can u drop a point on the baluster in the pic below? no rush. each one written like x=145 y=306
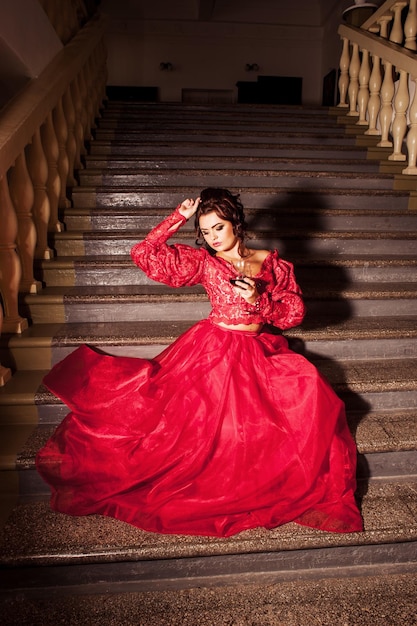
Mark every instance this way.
x=363 y=96
x=399 y=125
x=5 y=372
x=11 y=269
x=38 y=171
x=397 y=34
x=410 y=26
x=53 y=184
x=374 y=99
x=22 y=196
x=354 y=82
x=412 y=135
x=344 y=75
x=68 y=109
x=385 y=114
x=61 y=131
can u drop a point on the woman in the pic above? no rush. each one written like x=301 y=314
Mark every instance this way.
x=225 y=430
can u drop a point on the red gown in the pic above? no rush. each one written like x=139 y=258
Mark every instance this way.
x=221 y=432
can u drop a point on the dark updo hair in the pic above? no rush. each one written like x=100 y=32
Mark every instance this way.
x=228 y=207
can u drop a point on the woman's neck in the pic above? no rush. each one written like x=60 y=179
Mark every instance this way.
x=234 y=255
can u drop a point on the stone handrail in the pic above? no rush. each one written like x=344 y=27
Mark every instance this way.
x=43 y=132
x=378 y=73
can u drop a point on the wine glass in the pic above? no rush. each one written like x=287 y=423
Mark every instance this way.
x=243 y=268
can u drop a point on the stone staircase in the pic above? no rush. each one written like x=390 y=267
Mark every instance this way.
x=311 y=191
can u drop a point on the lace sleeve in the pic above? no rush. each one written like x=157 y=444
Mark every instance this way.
x=281 y=302
x=175 y=265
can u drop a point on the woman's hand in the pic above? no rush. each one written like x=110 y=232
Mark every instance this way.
x=246 y=288
x=189 y=207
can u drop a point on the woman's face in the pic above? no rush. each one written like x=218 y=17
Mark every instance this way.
x=218 y=233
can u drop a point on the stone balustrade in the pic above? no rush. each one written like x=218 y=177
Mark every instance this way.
x=378 y=73
x=43 y=135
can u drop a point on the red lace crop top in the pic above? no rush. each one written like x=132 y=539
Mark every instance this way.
x=280 y=302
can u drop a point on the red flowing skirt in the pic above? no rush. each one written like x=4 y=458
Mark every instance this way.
x=222 y=432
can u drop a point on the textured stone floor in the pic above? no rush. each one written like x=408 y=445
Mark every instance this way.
x=36 y=535
x=370 y=601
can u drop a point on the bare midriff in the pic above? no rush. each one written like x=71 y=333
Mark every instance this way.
x=251 y=328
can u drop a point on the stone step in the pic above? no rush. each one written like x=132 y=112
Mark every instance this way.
x=100 y=150
x=100 y=145
x=142 y=302
x=223 y=109
x=119 y=269
x=289 y=242
x=267 y=598
x=232 y=128
x=280 y=199
x=98 y=172
x=295 y=136
x=114 y=106
x=132 y=119
x=236 y=178
x=313 y=180
x=313 y=219
x=240 y=126
x=346 y=158
x=42 y=345
x=238 y=117
x=36 y=539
